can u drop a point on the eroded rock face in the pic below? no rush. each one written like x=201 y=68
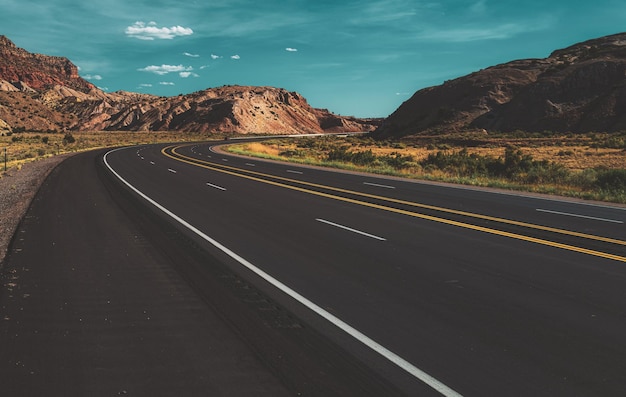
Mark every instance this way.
x=50 y=86
x=578 y=89
x=39 y=72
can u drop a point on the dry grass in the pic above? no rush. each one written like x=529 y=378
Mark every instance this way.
x=25 y=147
x=574 y=158
x=578 y=155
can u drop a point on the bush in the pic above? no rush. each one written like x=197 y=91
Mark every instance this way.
x=613 y=181
x=68 y=138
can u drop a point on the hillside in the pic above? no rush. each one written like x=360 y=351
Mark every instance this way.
x=578 y=89
x=44 y=93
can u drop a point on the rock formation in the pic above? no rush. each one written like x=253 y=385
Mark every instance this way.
x=581 y=88
x=39 y=92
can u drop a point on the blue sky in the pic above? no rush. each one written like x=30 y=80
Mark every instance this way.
x=361 y=58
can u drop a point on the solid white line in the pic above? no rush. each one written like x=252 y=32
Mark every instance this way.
x=350 y=229
x=215 y=186
x=295 y=172
x=377 y=185
x=358 y=335
x=171 y=170
x=579 y=216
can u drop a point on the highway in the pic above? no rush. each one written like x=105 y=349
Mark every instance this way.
x=431 y=289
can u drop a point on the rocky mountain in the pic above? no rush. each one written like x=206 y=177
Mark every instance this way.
x=40 y=92
x=581 y=88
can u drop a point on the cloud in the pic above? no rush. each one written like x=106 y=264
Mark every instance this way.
x=150 y=31
x=166 y=83
x=145 y=85
x=289 y=49
x=184 y=75
x=235 y=57
x=213 y=56
x=191 y=55
x=165 y=69
x=92 y=77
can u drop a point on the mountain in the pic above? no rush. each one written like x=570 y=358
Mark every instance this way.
x=578 y=89
x=46 y=93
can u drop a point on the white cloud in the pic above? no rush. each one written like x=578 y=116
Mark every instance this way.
x=291 y=49
x=166 y=83
x=191 y=55
x=184 y=75
x=235 y=57
x=145 y=85
x=165 y=69
x=213 y=56
x=92 y=77
x=150 y=31
x=204 y=67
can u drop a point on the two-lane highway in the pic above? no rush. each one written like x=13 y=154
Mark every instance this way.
x=437 y=289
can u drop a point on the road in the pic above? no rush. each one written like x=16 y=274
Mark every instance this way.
x=488 y=294
x=381 y=286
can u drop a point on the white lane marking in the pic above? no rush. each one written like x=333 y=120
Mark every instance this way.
x=358 y=335
x=215 y=186
x=251 y=165
x=224 y=159
x=579 y=216
x=171 y=170
x=378 y=185
x=295 y=172
x=351 y=230
x=152 y=162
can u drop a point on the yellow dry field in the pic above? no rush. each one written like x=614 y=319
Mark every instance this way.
x=24 y=147
x=574 y=158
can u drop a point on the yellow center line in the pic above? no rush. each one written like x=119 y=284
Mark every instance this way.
x=204 y=164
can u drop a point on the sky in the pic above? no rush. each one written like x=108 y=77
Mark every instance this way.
x=356 y=58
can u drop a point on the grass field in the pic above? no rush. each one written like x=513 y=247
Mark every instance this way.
x=24 y=147
x=590 y=166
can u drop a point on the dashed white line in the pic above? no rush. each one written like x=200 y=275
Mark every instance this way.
x=152 y=162
x=224 y=159
x=295 y=172
x=171 y=170
x=378 y=185
x=351 y=229
x=215 y=186
x=579 y=216
x=251 y=165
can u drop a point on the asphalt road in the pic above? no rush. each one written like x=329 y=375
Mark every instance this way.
x=350 y=284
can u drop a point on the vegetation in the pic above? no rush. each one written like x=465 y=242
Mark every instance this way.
x=22 y=147
x=588 y=166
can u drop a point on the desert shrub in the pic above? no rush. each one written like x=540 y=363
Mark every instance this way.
x=68 y=138
x=613 y=180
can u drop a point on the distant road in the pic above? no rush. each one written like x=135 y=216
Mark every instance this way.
x=438 y=290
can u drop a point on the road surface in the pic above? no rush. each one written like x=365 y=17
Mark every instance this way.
x=382 y=285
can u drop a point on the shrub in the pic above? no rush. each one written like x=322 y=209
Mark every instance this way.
x=68 y=138
x=611 y=180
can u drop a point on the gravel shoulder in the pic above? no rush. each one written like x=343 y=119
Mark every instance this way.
x=17 y=189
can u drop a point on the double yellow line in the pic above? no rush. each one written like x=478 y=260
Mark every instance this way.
x=261 y=177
